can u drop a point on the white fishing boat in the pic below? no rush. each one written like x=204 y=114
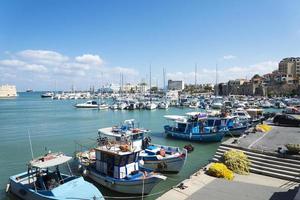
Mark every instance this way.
x=43 y=180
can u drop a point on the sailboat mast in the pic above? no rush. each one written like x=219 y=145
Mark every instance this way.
x=217 y=87
x=195 y=75
x=150 y=84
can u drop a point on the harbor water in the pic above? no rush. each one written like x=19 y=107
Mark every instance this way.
x=56 y=125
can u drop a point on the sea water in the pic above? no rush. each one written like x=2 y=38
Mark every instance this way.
x=57 y=125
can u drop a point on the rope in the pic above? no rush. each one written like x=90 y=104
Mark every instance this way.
x=143 y=188
x=135 y=197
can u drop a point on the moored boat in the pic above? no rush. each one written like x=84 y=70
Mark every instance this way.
x=88 y=104
x=43 y=180
x=116 y=167
x=156 y=157
x=196 y=128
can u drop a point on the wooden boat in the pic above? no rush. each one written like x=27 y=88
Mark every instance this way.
x=43 y=180
x=237 y=126
x=172 y=160
x=116 y=167
x=195 y=128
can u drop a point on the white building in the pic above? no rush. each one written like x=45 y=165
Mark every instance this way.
x=8 y=91
x=175 y=85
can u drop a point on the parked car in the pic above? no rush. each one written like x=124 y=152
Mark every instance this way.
x=286 y=120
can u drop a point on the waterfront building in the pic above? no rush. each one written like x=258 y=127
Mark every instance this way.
x=291 y=67
x=8 y=91
x=175 y=85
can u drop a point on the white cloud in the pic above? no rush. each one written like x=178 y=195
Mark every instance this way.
x=11 y=63
x=229 y=57
x=90 y=59
x=42 y=56
x=125 y=71
x=35 y=68
x=207 y=75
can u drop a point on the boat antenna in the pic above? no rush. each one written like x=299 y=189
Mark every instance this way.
x=30 y=143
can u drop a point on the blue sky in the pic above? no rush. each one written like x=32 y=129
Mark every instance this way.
x=90 y=42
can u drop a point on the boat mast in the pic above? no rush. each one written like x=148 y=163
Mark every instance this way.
x=217 y=87
x=164 y=82
x=150 y=85
x=195 y=75
x=30 y=144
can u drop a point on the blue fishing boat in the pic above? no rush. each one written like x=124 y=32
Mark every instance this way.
x=116 y=167
x=237 y=126
x=196 y=127
x=43 y=180
x=160 y=158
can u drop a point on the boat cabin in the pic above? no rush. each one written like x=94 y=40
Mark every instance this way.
x=116 y=163
x=124 y=133
x=44 y=174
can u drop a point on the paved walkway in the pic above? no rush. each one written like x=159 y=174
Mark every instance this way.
x=249 y=187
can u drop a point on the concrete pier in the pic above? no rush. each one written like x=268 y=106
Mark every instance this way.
x=273 y=175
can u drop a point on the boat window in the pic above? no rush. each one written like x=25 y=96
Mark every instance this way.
x=117 y=160
x=181 y=127
x=103 y=156
x=137 y=136
x=123 y=160
x=94 y=103
x=131 y=158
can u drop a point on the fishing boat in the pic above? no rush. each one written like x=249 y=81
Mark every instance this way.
x=196 y=128
x=160 y=158
x=237 y=126
x=43 y=180
x=116 y=167
x=88 y=104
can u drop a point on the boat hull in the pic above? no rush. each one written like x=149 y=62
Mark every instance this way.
x=172 y=165
x=128 y=186
x=236 y=131
x=212 y=137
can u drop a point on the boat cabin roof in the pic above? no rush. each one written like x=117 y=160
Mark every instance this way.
x=118 y=132
x=175 y=118
x=115 y=149
x=50 y=160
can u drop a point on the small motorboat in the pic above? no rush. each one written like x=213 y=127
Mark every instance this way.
x=163 y=158
x=150 y=105
x=163 y=105
x=103 y=106
x=43 y=180
x=47 y=95
x=88 y=104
